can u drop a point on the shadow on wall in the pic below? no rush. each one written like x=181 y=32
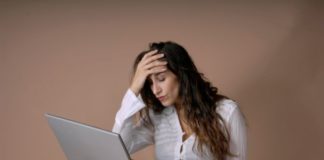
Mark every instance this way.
x=285 y=95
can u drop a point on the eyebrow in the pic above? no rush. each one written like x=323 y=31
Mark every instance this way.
x=156 y=75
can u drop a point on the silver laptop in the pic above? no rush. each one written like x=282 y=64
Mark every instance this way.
x=83 y=142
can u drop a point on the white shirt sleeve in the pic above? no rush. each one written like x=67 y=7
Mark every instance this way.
x=238 y=135
x=135 y=136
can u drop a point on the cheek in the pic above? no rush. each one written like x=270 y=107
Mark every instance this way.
x=174 y=89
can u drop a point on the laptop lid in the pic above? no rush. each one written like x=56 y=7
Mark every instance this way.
x=83 y=142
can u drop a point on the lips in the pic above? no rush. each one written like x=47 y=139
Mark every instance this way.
x=161 y=98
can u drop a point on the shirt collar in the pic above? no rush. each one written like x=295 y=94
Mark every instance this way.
x=168 y=110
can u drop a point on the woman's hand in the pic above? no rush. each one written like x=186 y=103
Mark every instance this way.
x=148 y=65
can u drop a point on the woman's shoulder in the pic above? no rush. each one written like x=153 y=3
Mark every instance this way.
x=225 y=108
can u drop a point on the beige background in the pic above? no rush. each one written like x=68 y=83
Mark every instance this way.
x=74 y=59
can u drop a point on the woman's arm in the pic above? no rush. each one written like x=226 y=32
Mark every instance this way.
x=135 y=136
x=238 y=135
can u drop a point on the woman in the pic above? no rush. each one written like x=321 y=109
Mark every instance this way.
x=181 y=112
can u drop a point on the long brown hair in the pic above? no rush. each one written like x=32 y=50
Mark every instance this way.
x=198 y=97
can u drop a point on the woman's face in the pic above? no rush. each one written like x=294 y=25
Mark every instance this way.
x=165 y=87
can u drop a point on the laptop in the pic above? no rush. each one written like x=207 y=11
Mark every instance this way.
x=83 y=142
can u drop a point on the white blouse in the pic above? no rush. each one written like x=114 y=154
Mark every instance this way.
x=167 y=134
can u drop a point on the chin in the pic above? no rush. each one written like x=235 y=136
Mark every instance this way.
x=166 y=104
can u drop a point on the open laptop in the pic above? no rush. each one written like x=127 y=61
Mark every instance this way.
x=83 y=142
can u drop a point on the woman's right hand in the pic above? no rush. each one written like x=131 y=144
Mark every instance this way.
x=148 y=65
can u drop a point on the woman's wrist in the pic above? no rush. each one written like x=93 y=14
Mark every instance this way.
x=134 y=90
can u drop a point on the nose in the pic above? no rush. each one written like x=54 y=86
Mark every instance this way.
x=156 y=89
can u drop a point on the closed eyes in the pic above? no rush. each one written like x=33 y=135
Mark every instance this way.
x=161 y=79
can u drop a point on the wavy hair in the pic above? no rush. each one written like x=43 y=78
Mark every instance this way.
x=197 y=95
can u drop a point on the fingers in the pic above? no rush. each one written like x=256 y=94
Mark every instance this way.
x=151 y=60
x=150 y=53
x=152 y=63
x=155 y=63
x=157 y=69
x=152 y=57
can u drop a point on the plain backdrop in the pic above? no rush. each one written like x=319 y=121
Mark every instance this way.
x=74 y=59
